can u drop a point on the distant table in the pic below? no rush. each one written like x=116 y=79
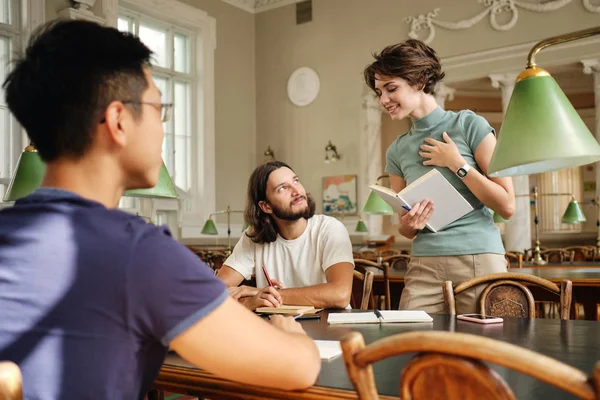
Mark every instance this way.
x=576 y=343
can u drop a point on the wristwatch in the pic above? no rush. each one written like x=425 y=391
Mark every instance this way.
x=463 y=171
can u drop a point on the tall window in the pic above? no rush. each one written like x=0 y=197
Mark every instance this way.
x=172 y=70
x=10 y=141
x=551 y=208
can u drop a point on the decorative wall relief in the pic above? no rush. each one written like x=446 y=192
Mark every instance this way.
x=493 y=8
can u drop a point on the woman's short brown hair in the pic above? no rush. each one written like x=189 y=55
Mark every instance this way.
x=412 y=60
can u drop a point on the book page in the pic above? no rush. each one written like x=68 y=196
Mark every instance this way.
x=390 y=316
x=328 y=349
x=352 y=318
x=389 y=196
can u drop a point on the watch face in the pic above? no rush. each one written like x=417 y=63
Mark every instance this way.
x=461 y=172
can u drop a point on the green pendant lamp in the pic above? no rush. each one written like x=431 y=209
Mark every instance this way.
x=209 y=228
x=541 y=130
x=573 y=214
x=163 y=189
x=28 y=175
x=361 y=226
x=245 y=226
x=375 y=204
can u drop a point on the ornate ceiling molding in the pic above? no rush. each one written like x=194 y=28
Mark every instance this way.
x=256 y=6
x=493 y=8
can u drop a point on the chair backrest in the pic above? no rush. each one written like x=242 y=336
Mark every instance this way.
x=582 y=253
x=399 y=261
x=450 y=365
x=10 y=381
x=506 y=295
x=515 y=260
x=557 y=255
x=368 y=254
x=389 y=253
x=361 y=264
x=362 y=290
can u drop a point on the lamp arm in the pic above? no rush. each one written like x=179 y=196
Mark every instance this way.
x=381 y=177
x=567 y=37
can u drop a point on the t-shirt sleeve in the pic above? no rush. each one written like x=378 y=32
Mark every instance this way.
x=476 y=128
x=169 y=287
x=242 y=257
x=392 y=160
x=336 y=245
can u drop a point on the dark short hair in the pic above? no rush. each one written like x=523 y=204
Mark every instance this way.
x=71 y=71
x=412 y=60
x=263 y=228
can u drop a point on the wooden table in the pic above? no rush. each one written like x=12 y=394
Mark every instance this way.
x=576 y=343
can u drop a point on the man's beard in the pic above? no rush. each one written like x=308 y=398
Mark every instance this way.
x=290 y=215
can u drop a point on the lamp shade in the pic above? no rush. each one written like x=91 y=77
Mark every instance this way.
x=163 y=189
x=573 y=214
x=209 y=228
x=361 y=226
x=27 y=176
x=376 y=205
x=541 y=130
x=245 y=226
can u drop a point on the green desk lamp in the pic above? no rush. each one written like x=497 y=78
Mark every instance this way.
x=541 y=130
x=28 y=175
x=361 y=226
x=210 y=228
x=375 y=204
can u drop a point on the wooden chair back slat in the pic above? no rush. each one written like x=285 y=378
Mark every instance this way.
x=506 y=296
x=450 y=365
x=361 y=264
x=11 y=381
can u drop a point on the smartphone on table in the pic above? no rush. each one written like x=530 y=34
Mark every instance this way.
x=480 y=318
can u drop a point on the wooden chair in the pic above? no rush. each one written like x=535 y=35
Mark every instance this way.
x=582 y=253
x=451 y=365
x=11 y=382
x=361 y=265
x=363 y=285
x=557 y=255
x=368 y=255
x=389 y=253
x=515 y=260
x=507 y=296
x=399 y=261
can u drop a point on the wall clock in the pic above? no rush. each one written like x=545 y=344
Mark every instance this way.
x=303 y=86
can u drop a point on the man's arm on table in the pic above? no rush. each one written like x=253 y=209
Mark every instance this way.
x=249 y=296
x=215 y=344
x=333 y=294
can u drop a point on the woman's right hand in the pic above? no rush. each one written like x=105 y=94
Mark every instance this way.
x=418 y=215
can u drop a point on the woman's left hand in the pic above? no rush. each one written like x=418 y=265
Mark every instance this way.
x=442 y=154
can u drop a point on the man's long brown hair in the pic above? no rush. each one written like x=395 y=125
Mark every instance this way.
x=263 y=228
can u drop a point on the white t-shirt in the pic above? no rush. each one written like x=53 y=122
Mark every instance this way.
x=296 y=263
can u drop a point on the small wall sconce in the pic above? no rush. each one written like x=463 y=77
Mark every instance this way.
x=269 y=154
x=331 y=154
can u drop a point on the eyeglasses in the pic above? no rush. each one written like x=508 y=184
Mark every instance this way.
x=166 y=109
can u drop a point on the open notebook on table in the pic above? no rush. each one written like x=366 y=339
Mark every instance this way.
x=288 y=310
x=448 y=204
x=328 y=349
x=379 y=317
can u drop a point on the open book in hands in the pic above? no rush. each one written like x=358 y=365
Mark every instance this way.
x=379 y=317
x=448 y=204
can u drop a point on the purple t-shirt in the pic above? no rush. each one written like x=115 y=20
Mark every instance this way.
x=90 y=298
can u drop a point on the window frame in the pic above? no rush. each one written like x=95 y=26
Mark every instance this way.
x=27 y=16
x=201 y=195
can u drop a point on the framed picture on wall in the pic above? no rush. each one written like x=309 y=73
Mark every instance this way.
x=339 y=195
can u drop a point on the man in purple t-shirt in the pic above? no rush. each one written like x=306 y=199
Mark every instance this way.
x=91 y=297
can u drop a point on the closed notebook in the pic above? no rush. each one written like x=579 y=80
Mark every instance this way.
x=328 y=349
x=387 y=317
x=288 y=310
x=448 y=204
